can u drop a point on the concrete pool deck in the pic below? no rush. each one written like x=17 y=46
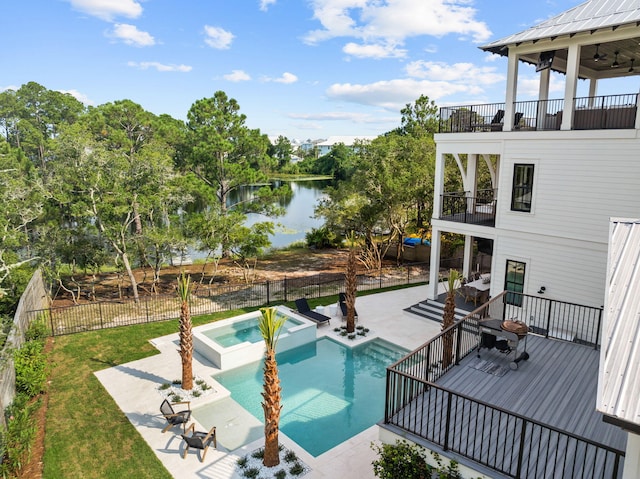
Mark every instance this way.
x=134 y=388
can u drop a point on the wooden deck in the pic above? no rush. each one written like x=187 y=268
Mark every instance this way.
x=555 y=386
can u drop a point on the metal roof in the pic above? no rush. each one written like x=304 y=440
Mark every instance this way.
x=619 y=376
x=586 y=17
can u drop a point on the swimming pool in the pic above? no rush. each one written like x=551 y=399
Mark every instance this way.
x=236 y=341
x=330 y=392
x=247 y=330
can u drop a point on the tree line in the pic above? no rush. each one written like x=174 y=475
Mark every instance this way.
x=84 y=187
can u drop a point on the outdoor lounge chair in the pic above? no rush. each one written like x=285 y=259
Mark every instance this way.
x=307 y=312
x=342 y=297
x=199 y=440
x=175 y=418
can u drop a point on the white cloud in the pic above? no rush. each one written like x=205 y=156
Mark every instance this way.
x=237 y=76
x=218 y=37
x=393 y=95
x=264 y=4
x=456 y=72
x=382 y=22
x=78 y=96
x=285 y=78
x=130 y=35
x=161 y=67
x=373 y=51
x=108 y=9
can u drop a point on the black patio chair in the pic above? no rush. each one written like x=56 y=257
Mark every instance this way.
x=175 y=418
x=303 y=308
x=342 y=301
x=199 y=440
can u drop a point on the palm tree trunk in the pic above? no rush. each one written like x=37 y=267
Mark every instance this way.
x=186 y=346
x=351 y=288
x=271 y=406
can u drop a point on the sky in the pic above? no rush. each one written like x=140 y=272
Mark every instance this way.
x=304 y=69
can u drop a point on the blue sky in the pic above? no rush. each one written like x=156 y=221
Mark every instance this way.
x=298 y=68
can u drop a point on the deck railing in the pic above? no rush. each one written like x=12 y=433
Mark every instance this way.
x=509 y=443
x=589 y=113
x=458 y=207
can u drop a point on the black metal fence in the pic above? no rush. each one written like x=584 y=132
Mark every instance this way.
x=507 y=442
x=208 y=299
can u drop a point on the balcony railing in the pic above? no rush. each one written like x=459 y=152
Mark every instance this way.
x=589 y=113
x=479 y=210
x=509 y=443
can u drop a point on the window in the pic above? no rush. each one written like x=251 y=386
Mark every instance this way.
x=522 y=188
x=514 y=282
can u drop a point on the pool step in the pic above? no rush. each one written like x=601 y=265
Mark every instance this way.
x=382 y=353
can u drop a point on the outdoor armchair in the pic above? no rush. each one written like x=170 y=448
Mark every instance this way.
x=198 y=440
x=175 y=418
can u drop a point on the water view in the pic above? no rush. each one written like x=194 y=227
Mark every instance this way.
x=297 y=220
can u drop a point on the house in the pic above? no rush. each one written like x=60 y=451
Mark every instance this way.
x=324 y=147
x=559 y=168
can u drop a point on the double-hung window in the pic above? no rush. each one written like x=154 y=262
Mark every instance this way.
x=522 y=187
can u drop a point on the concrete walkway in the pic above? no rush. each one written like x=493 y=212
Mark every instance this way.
x=134 y=387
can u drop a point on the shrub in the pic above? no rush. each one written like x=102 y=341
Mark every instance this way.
x=400 y=460
x=321 y=238
x=31 y=368
x=258 y=454
x=16 y=439
x=281 y=474
x=409 y=462
x=38 y=330
x=252 y=472
x=290 y=456
x=242 y=462
x=296 y=469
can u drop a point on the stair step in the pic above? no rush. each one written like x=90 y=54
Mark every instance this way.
x=433 y=310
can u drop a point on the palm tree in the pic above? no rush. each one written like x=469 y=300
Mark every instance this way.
x=186 y=332
x=270 y=325
x=351 y=285
x=448 y=318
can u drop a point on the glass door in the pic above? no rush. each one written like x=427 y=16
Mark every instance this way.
x=514 y=282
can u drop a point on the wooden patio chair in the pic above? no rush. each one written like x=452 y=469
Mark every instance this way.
x=175 y=418
x=199 y=440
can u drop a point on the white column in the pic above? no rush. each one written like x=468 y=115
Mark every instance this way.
x=434 y=267
x=511 y=93
x=570 y=86
x=467 y=265
x=543 y=96
x=438 y=183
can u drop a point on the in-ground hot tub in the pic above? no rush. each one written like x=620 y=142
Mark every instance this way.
x=233 y=342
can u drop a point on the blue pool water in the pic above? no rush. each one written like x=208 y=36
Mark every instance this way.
x=241 y=331
x=330 y=392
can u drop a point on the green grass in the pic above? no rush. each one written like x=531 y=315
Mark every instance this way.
x=87 y=435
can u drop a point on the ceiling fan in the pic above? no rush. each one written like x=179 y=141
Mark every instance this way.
x=597 y=57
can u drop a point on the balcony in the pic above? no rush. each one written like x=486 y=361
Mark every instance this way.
x=589 y=113
x=534 y=421
x=479 y=210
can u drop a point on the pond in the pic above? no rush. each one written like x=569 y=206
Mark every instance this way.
x=297 y=220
